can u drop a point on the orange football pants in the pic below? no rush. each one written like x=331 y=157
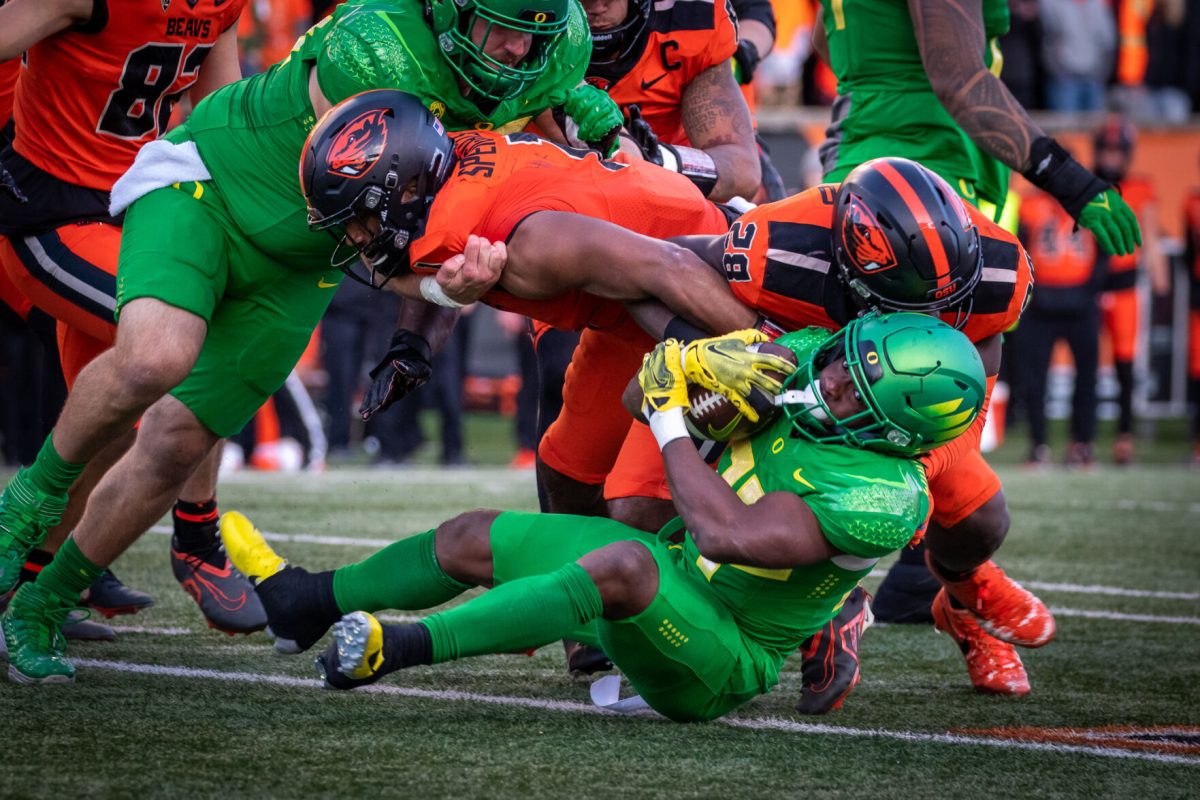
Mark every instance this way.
x=70 y=273
x=584 y=441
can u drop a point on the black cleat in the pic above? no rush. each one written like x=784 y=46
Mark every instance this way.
x=355 y=656
x=110 y=597
x=584 y=660
x=830 y=670
x=226 y=598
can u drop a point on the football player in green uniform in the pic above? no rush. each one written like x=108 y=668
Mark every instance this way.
x=920 y=79
x=221 y=283
x=700 y=616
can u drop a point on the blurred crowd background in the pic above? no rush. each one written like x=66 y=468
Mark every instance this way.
x=1085 y=66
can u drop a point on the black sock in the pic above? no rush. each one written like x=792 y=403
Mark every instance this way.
x=406 y=646
x=195 y=524
x=38 y=560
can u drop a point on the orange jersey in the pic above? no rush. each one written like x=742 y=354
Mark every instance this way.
x=778 y=260
x=499 y=180
x=87 y=101
x=1064 y=254
x=686 y=37
x=1138 y=192
x=9 y=70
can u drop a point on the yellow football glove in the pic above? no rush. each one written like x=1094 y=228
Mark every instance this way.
x=662 y=381
x=724 y=364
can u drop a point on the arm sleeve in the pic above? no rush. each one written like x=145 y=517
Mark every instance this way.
x=757 y=10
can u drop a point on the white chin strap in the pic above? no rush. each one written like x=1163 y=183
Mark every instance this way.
x=808 y=396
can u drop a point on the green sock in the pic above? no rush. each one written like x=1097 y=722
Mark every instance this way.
x=69 y=573
x=527 y=612
x=49 y=473
x=404 y=575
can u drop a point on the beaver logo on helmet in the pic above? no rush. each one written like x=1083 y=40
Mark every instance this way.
x=358 y=145
x=866 y=245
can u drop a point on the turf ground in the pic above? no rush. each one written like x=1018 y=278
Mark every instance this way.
x=174 y=708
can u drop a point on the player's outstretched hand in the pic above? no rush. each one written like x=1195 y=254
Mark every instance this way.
x=664 y=386
x=405 y=368
x=597 y=115
x=725 y=364
x=1112 y=222
x=472 y=273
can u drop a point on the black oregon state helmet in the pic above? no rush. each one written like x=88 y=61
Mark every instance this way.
x=1113 y=144
x=359 y=161
x=622 y=40
x=903 y=240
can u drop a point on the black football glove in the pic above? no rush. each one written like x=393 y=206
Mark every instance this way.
x=405 y=368
x=643 y=135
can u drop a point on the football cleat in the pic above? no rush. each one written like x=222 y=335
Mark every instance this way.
x=355 y=656
x=111 y=597
x=830 y=669
x=32 y=627
x=226 y=599
x=77 y=627
x=26 y=513
x=584 y=660
x=1003 y=607
x=297 y=620
x=993 y=666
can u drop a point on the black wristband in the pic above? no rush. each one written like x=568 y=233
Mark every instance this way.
x=747 y=58
x=679 y=328
x=1054 y=171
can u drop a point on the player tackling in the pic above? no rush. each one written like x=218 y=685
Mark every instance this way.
x=700 y=616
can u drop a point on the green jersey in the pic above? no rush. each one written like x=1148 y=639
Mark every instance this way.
x=886 y=106
x=868 y=505
x=250 y=133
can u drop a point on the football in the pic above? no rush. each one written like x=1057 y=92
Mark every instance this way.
x=711 y=415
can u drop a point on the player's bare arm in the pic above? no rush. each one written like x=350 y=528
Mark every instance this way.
x=951 y=39
x=656 y=319
x=990 y=350
x=717 y=121
x=554 y=251
x=221 y=66
x=24 y=23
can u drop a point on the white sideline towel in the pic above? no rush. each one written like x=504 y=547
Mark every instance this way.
x=160 y=163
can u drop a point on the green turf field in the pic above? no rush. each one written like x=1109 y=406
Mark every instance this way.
x=173 y=708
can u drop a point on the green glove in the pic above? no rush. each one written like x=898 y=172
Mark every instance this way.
x=1112 y=222
x=597 y=115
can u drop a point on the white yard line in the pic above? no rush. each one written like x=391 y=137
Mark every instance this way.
x=1118 y=616
x=781 y=725
x=352 y=541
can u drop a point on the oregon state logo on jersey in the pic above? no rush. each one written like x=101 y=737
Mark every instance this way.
x=866 y=245
x=359 y=144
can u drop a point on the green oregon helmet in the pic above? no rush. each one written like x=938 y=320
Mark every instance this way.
x=452 y=22
x=922 y=382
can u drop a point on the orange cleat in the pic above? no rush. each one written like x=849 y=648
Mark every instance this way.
x=1004 y=608
x=993 y=665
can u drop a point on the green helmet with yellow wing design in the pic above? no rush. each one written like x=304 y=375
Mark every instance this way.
x=922 y=384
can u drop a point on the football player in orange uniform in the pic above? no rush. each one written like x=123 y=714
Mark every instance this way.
x=100 y=80
x=672 y=63
x=1191 y=221
x=892 y=236
x=1065 y=306
x=1113 y=154
x=582 y=237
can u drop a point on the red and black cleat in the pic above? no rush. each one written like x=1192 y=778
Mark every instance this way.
x=110 y=597
x=830 y=668
x=225 y=597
